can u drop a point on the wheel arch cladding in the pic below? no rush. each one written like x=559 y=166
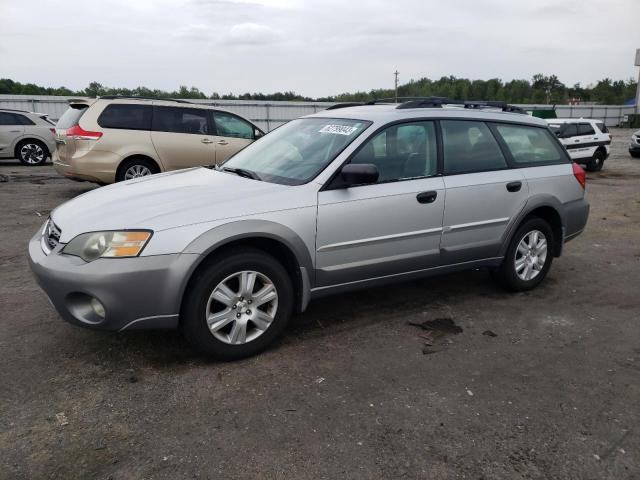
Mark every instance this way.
x=273 y=239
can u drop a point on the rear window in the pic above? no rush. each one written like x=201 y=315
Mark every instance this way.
x=585 y=129
x=71 y=117
x=602 y=127
x=126 y=116
x=530 y=145
x=181 y=120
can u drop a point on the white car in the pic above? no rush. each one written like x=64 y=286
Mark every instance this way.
x=27 y=136
x=586 y=140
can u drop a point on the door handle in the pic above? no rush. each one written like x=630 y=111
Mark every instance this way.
x=514 y=186
x=427 y=197
x=206 y=140
x=222 y=142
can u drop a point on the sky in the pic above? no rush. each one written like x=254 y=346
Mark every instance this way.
x=315 y=48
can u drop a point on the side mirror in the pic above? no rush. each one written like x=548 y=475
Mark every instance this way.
x=359 y=174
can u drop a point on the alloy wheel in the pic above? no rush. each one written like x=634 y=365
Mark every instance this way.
x=531 y=255
x=135 y=171
x=241 y=307
x=32 y=153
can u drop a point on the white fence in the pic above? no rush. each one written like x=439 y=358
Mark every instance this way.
x=269 y=114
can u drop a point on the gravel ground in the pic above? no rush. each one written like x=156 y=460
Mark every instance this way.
x=536 y=385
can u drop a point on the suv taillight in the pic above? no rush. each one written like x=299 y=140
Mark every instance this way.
x=78 y=133
x=578 y=172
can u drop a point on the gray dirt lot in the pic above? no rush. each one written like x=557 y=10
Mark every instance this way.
x=348 y=393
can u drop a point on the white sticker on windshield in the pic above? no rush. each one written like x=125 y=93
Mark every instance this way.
x=338 y=129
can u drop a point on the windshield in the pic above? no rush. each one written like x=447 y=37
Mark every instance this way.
x=297 y=151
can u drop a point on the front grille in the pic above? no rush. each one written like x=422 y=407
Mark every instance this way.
x=50 y=236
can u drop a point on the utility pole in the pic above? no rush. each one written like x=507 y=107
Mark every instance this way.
x=637 y=64
x=396 y=73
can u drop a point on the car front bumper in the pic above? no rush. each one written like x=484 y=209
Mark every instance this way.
x=136 y=293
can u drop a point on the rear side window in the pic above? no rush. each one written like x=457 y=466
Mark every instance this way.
x=24 y=120
x=530 y=145
x=228 y=125
x=126 y=116
x=181 y=120
x=71 y=116
x=585 y=129
x=7 y=118
x=470 y=147
x=602 y=127
x=570 y=130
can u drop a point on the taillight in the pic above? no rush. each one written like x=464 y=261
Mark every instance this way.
x=578 y=172
x=53 y=130
x=78 y=133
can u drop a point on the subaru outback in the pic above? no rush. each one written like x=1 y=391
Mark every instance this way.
x=343 y=199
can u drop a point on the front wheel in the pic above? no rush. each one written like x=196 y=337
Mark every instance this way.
x=528 y=257
x=237 y=305
x=596 y=163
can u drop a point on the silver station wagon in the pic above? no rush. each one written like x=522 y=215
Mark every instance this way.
x=346 y=198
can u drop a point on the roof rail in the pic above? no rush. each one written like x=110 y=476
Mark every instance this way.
x=344 y=105
x=437 y=102
x=14 y=110
x=133 y=97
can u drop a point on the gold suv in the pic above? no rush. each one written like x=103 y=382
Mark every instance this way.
x=114 y=138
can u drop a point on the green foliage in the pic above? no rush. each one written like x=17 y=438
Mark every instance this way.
x=541 y=89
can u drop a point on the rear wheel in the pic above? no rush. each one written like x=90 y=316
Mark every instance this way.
x=32 y=152
x=135 y=168
x=596 y=163
x=528 y=257
x=635 y=154
x=237 y=305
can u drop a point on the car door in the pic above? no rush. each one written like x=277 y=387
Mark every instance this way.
x=482 y=193
x=390 y=227
x=569 y=138
x=183 y=137
x=232 y=134
x=584 y=144
x=11 y=129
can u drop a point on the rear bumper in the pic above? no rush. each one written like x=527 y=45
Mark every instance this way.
x=136 y=293
x=91 y=166
x=575 y=215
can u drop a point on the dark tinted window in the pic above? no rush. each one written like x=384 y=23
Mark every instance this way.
x=71 y=117
x=585 y=129
x=530 y=145
x=127 y=116
x=570 y=130
x=470 y=147
x=228 y=125
x=602 y=127
x=7 y=118
x=24 y=120
x=181 y=120
x=402 y=151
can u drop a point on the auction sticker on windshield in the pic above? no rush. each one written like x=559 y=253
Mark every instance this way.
x=338 y=129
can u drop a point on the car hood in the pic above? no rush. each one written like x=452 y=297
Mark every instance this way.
x=173 y=199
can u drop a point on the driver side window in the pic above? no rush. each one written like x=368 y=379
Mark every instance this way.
x=401 y=152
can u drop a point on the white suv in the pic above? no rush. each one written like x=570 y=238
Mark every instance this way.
x=587 y=141
x=26 y=136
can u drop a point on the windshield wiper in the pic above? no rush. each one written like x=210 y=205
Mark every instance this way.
x=243 y=172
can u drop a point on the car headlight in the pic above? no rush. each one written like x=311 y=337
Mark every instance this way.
x=94 y=245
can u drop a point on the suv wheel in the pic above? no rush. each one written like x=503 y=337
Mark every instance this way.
x=134 y=168
x=596 y=163
x=32 y=152
x=237 y=305
x=528 y=257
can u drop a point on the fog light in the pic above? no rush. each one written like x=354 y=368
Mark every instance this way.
x=97 y=307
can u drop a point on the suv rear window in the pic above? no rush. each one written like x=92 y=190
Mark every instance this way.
x=126 y=116
x=469 y=146
x=530 y=145
x=71 y=116
x=181 y=120
x=585 y=129
x=602 y=127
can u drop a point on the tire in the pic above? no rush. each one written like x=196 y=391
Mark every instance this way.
x=635 y=154
x=134 y=168
x=32 y=152
x=220 y=335
x=510 y=276
x=596 y=163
